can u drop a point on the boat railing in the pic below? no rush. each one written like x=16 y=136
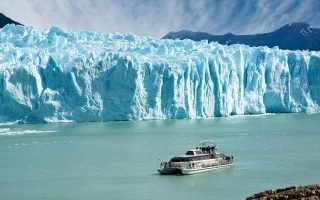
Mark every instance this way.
x=198 y=165
x=171 y=164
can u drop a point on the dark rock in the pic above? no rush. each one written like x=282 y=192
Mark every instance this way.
x=4 y=20
x=309 y=192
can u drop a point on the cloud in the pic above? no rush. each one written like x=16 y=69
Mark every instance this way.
x=158 y=17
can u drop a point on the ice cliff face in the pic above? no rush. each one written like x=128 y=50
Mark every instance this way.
x=57 y=75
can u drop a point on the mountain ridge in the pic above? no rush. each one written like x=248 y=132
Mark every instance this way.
x=4 y=20
x=294 y=36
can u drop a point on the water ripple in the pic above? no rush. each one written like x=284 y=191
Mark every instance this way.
x=16 y=131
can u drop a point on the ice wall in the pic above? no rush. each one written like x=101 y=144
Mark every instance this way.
x=58 y=75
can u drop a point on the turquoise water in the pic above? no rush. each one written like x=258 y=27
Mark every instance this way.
x=118 y=160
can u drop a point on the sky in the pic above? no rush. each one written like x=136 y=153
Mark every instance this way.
x=158 y=17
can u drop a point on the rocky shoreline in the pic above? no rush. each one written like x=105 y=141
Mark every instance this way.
x=309 y=192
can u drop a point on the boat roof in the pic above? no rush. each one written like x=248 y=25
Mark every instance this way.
x=194 y=149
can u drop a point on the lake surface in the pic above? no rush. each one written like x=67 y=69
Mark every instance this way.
x=118 y=160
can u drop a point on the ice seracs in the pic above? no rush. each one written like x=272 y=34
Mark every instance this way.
x=59 y=75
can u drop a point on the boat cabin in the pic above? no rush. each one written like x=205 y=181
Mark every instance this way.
x=191 y=158
x=194 y=152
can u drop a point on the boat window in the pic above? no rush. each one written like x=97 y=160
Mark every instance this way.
x=178 y=159
x=187 y=159
x=189 y=153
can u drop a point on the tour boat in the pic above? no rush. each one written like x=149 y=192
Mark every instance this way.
x=202 y=158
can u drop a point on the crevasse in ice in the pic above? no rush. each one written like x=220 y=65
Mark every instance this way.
x=59 y=75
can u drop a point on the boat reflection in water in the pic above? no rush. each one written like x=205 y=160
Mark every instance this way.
x=202 y=158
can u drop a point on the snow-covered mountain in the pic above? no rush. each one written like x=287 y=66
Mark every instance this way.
x=58 y=75
x=295 y=36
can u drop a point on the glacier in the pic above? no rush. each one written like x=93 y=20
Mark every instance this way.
x=58 y=75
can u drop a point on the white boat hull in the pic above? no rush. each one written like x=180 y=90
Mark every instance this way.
x=199 y=170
